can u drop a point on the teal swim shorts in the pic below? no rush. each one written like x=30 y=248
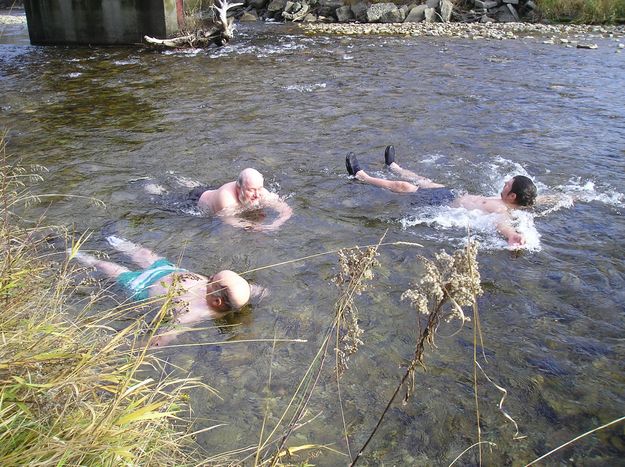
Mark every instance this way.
x=138 y=282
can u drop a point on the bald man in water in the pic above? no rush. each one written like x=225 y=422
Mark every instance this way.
x=197 y=297
x=244 y=194
x=518 y=192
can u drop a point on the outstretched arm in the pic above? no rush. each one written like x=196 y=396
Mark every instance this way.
x=235 y=221
x=505 y=228
x=273 y=201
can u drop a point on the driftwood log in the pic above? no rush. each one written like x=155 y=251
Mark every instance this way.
x=219 y=33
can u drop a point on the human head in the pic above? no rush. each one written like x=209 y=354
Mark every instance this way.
x=519 y=190
x=227 y=291
x=249 y=188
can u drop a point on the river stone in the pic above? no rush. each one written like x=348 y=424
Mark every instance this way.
x=512 y=2
x=257 y=4
x=328 y=7
x=514 y=12
x=486 y=4
x=502 y=14
x=360 y=11
x=416 y=15
x=446 y=9
x=344 y=14
x=432 y=3
x=276 y=5
x=394 y=16
x=430 y=15
x=310 y=18
x=249 y=16
x=383 y=13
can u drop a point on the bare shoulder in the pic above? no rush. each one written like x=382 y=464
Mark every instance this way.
x=221 y=198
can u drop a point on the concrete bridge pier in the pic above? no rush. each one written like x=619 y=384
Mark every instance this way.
x=101 y=22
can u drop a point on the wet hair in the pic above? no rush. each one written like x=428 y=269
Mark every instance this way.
x=524 y=189
x=224 y=294
x=226 y=300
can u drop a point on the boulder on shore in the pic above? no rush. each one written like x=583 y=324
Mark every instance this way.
x=384 y=13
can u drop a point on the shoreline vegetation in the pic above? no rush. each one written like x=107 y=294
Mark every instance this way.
x=72 y=390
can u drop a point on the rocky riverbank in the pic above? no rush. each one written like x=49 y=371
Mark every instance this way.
x=572 y=35
x=568 y=35
x=429 y=11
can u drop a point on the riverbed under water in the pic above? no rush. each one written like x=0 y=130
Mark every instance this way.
x=107 y=122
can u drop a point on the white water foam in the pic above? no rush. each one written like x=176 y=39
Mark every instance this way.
x=259 y=52
x=576 y=190
x=305 y=87
x=586 y=191
x=453 y=224
x=125 y=62
x=188 y=52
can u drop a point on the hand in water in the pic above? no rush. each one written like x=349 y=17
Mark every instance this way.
x=516 y=240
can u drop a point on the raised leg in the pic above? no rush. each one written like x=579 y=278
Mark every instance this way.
x=140 y=255
x=396 y=186
x=422 y=182
x=353 y=168
x=107 y=267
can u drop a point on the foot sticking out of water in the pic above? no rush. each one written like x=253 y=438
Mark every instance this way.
x=351 y=163
x=389 y=155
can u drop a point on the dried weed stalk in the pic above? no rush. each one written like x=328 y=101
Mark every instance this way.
x=355 y=269
x=452 y=280
x=354 y=276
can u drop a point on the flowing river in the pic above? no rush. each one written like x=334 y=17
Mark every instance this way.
x=108 y=123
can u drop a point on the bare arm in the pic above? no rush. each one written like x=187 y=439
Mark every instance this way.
x=505 y=228
x=235 y=221
x=273 y=201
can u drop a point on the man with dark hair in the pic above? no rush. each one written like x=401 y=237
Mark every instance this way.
x=517 y=192
x=197 y=297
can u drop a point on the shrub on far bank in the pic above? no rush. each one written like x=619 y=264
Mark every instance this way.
x=583 y=11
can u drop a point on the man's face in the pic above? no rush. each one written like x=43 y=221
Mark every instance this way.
x=506 y=196
x=250 y=193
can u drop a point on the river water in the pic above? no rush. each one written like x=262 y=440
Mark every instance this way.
x=107 y=122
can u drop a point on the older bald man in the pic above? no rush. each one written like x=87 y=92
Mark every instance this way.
x=198 y=297
x=246 y=193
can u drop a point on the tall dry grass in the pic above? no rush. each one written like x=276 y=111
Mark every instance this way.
x=583 y=11
x=71 y=391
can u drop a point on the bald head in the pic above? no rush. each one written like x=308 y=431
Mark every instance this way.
x=227 y=291
x=250 y=188
x=249 y=175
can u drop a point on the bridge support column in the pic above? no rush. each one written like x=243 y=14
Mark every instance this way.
x=100 y=22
